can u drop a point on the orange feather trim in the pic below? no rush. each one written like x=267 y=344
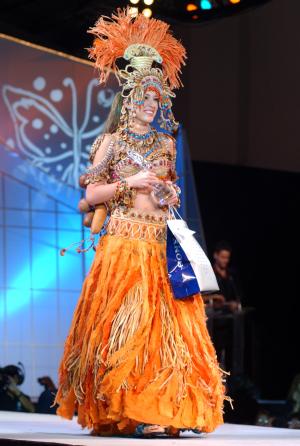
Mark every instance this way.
x=115 y=34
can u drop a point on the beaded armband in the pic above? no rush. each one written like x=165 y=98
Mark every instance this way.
x=95 y=146
x=100 y=172
x=124 y=196
x=173 y=174
x=169 y=143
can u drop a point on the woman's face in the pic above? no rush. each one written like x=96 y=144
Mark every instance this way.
x=146 y=113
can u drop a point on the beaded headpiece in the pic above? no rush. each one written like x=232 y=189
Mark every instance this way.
x=142 y=42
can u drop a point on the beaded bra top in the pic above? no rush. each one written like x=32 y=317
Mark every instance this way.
x=121 y=161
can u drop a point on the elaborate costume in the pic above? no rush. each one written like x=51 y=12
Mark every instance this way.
x=134 y=354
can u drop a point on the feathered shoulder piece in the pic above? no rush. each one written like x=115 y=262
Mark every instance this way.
x=139 y=40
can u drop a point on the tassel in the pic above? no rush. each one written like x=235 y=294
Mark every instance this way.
x=91 y=238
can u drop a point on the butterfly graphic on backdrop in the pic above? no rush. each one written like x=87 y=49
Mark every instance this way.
x=54 y=140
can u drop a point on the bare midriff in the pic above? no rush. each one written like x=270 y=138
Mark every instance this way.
x=144 y=202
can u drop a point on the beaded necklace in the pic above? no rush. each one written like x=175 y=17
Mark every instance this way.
x=139 y=136
x=144 y=143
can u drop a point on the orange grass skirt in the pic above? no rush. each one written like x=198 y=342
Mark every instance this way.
x=134 y=353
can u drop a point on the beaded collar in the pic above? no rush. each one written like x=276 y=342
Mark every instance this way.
x=142 y=143
x=139 y=136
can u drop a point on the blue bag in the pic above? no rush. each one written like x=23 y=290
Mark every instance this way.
x=181 y=273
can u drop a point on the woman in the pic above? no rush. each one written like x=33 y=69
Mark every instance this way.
x=137 y=361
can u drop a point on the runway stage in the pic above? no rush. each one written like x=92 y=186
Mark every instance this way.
x=18 y=429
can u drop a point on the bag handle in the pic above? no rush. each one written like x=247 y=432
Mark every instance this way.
x=173 y=211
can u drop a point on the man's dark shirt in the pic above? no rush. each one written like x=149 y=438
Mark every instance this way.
x=229 y=286
x=45 y=402
x=10 y=403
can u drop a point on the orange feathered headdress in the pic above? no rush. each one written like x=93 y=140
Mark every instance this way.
x=141 y=41
x=152 y=37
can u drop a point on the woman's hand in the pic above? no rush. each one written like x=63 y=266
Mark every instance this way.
x=174 y=197
x=142 y=180
x=12 y=387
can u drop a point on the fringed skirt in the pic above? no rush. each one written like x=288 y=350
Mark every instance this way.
x=135 y=354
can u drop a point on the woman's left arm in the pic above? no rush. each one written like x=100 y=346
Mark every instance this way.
x=174 y=200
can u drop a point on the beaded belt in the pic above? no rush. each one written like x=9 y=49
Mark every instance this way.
x=136 y=224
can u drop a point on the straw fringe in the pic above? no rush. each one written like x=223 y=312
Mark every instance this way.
x=125 y=323
x=133 y=352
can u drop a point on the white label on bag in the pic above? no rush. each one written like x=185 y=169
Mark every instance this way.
x=198 y=259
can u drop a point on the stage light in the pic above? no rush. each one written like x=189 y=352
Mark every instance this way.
x=148 y=2
x=133 y=11
x=147 y=12
x=134 y=2
x=234 y=1
x=191 y=7
x=205 y=4
x=195 y=17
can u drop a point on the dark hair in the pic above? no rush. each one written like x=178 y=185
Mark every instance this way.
x=223 y=245
x=12 y=370
x=113 y=118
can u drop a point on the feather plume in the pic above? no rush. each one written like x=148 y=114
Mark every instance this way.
x=115 y=34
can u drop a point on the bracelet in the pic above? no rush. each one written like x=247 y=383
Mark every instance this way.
x=177 y=188
x=165 y=207
x=124 y=195
x=178 y=192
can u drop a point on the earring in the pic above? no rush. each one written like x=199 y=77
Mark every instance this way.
x=132 y=115
x=123 y=118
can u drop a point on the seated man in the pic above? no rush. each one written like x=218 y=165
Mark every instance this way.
x=225 y=320
x=11 y=397
x=229 y=297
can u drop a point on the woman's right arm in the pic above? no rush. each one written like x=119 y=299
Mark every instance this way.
x=99 y=192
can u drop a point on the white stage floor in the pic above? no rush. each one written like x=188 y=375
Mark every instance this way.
x=50 y=428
